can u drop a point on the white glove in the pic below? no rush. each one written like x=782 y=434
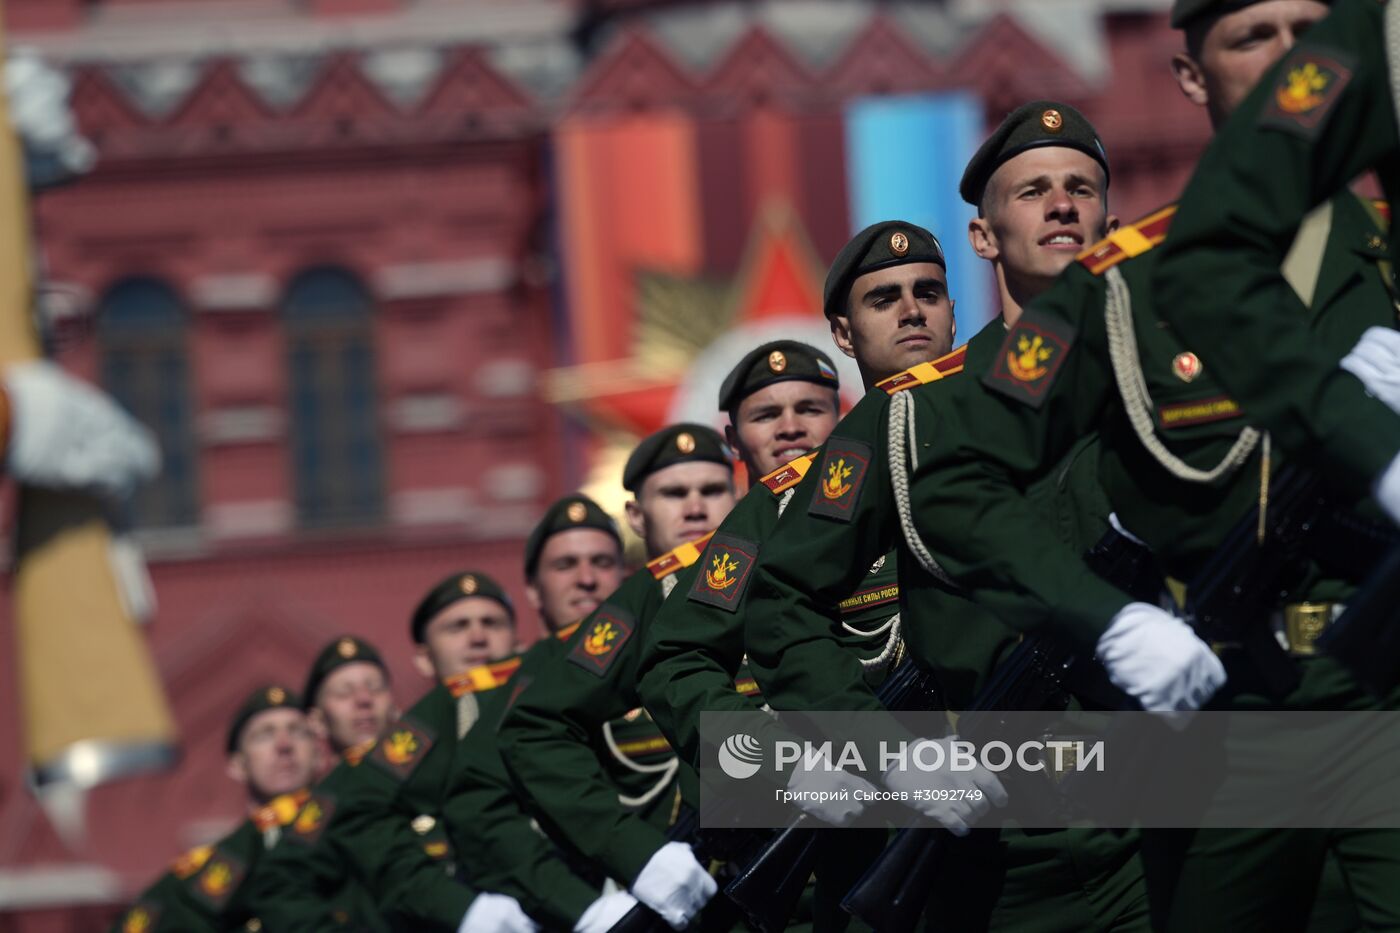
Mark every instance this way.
x=674 y=884
x=829 y=795
x=956 y=799
x=66 y=434
x=496 y=913
x=603 y=913
x=39 y=111
x=1375 y=360
x=1154 y=657
x=1387 y=490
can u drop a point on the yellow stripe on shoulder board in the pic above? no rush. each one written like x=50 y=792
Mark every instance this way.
x=924 y=373
x=1128 y=241
x=678 y=558
x=788 y=475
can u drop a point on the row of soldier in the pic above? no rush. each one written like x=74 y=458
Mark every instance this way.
x=1131 y=388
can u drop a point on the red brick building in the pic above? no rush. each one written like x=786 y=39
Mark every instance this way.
x=322 y=256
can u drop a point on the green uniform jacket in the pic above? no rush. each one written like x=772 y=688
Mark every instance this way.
x=163 y=908
x=1318 y=119
x=1033 y=401
x=693 y=651
x=311 y=884
x=575 y=737
x=497 y=843
x=843 y=516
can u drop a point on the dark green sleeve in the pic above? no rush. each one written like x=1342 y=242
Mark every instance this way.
x=220 y=894
x=817 y=554
x=299 y=876
x=162 y=908
x=498 y=846
x=545 y=736
x=1218 y=279
x=403 y=776
x=692 y=650
x=982 y=449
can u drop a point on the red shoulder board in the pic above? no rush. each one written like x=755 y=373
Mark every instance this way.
x=1381 y=207
x=482 y=677
x=788 y=475
x=924 y=373
x=677 y=558
x=1128 y=241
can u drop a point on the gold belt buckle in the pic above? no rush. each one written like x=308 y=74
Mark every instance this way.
x=1303 y=624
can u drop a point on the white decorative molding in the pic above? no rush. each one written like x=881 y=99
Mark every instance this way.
x=435 y=279
x=404 y=73
x=41 y=886
x=426 y=413
x=253 y=291
x=255 y=518
x=506 y=379
x=243 y=424
x=451 y=505
x=513 y=482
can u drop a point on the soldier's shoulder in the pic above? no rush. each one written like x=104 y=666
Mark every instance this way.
x=1128 y=241
x=947 y=365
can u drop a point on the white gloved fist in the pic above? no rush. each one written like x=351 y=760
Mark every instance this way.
x=603 y=914
x=955 y=799
x=66 y=434
x=496 y=913
x=39 y=111
x=828 y=795
x=1387 y=490
x=1375 y=360
x=674 y=884
x=1155 y=658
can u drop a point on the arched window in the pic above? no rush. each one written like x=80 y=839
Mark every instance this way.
x=141 y=330
x=335 y=430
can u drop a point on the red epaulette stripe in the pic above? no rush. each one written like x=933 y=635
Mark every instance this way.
x=1382 y=207
x=1109 y=252
x=949 y=364
x=678 y=558
x=564 y=633
x=788 y=475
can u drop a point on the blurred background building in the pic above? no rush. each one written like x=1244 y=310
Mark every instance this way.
x=386 y=276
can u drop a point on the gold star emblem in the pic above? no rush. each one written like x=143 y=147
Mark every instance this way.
x=685 y=443
x=776 y=361
x=346 y=648
x=899 y=244
x=576 y=511
x=468 y=584
x=1052 y=120
x=276 y=696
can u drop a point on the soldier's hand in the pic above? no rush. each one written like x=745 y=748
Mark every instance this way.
x=66 y=434
x=1375 y=360
x=496 y=913
x=1157 y=659
x=674 y=884
x=1387 y=490
x=955 y=799
x=605 y=912
x=830 y=796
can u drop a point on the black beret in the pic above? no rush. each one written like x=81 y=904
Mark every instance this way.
x=461 y=585
x=1031 y=126
x=878 y=246
x=261 y=700
x=570 y=512
x=679 y=443
x=347 y=649
x=1184 y=11
x=776 y=361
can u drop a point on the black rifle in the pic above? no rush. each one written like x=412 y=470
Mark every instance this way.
x=768 y=888
x=1039 y=674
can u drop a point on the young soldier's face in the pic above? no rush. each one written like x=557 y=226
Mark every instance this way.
x=353 y=705
x=1237 y=48
x=1040 y=210
x=468 y=633
x=781 y=422
x=896 y=318
x=276 y=754
x=575 y=572
x=681 y=503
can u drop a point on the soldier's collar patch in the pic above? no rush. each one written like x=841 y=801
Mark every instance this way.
x=142 y=918
x=725 y=571
x=1030 y=357
x=191 y=862
x=948 y=365
x=1310 y=82
x=600 y=639
x=677 y=558
x=403 y=747
x=482 y=677
x=788 y=475
x=222 y=875
x=840 y=477
x=312 y=819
